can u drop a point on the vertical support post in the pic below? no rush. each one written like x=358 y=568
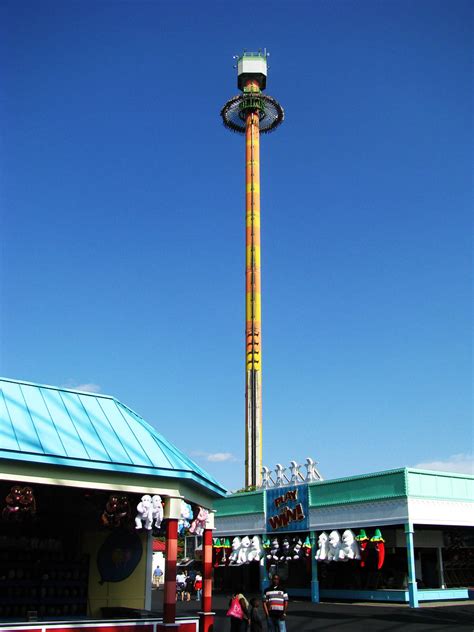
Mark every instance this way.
x=264 y=581
x=412 y=586
x=206 y=616
x=148 y=572
x=439 y=551
x=314 y=569
x=171 y=514
x=253 y=385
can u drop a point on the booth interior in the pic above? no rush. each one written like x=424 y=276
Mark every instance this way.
x=403 y=535
x=444 y=558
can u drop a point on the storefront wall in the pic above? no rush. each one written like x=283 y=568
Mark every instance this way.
x=415 y=530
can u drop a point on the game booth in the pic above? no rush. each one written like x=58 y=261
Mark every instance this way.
x=402 y=535
x=85 y=484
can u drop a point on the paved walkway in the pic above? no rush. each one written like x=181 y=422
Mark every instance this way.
x=304 y=616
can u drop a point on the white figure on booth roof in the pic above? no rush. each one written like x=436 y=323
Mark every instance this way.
x=255 y=551
x=234 y=556
x=350 y=548
x=156 y=511
x=144 y=517
x=323 y=547
x=335 y=546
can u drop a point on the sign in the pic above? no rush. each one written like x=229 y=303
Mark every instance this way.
x=287 y=508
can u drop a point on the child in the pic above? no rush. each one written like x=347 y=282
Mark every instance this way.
x=255 y=620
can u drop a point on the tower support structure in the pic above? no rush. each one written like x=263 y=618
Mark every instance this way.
x=252 y=113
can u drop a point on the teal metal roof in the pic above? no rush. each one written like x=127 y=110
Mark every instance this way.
x=59 y=426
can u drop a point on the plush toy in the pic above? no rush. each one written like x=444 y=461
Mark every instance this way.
x=124 y=510
x=13 y=500
x=350 y=548
x=156 y=511
x=285 y=550
x=297 y=550
x=307 y=547
x=226 y=546
x=144 y=515
x=234 y=556
x=274 y=553
x=334 y=546
x=27 y=501
x=255 y=551
x=199 y=523
x=110 y=514
x=379 y=547
x=363 y=542
x=244 y=550
x=323 y=547
x=217 y=550
x=186 y=515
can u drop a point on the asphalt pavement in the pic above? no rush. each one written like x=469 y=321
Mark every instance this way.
x=304 y=616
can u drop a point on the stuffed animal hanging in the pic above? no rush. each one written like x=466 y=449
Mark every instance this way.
x=323 y=548
x=285 y=550
x=334 y=546
x=255 y=551
x=20 y=502
x=379 y=547
x=297 y=551
x=156 y=511
x=110 y=514
x=362 y=541
x=350 y=548
x=199 y=523
x=144 y=517
x=186 y=516
x=274 y=553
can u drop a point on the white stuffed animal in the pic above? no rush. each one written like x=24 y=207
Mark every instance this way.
x=335 y=546
x=234 y=556
x=323 y=547
x=156 y=510
x=350 y=548
x=144 y=517
x=255 y=551
x=242 y=557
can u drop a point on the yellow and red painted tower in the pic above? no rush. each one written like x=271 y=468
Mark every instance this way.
x=252 y=113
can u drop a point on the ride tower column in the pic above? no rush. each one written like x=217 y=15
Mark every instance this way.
x=252 y=113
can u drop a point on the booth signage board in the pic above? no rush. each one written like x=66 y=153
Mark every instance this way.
x=287 y=508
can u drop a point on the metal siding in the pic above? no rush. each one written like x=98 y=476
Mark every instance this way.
x=7 y=433
x=135 y=450
x=89 y=437
x=41 y=418
x=43 y=424
x=114 y=447
x=67 y=431
x=154 y=450
x=24 y=427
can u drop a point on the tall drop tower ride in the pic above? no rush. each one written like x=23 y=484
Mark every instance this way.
x=252 y=113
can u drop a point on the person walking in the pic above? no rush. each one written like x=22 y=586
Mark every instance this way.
x=157 y=575
x=275 y=604
x=238 y=612
x=254 y=616
x=198 y=586
x=180 y=585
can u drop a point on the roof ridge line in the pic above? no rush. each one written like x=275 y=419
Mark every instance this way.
x=55 y=388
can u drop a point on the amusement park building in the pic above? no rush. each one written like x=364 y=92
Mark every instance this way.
x=424 y=519
x=58 y=559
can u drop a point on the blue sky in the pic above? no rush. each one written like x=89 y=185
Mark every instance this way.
x=122 y=212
